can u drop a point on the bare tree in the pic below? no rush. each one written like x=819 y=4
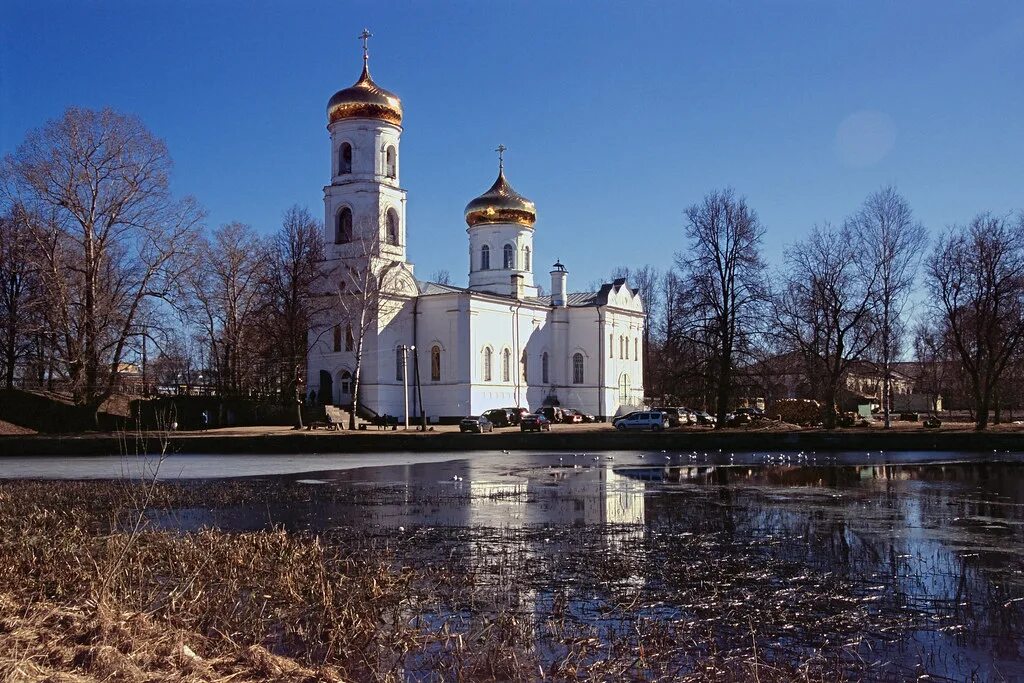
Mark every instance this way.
x=296 y=255
x=662 y=326
x=367 y=290
x=117 y=238
x=894 y=244
x=226 y=294
x=931 y=356
x=441 y=277
x=20 y=293
x=645 y=282
x=825 y=310
x=179 y=361
x=724 y=268
x=976 y=281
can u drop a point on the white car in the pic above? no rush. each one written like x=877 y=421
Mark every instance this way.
x=655 y=421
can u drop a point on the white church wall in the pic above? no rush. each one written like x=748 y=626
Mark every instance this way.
x=441 y=324
x=502 y=326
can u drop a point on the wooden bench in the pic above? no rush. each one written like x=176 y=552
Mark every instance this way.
x=334 y=420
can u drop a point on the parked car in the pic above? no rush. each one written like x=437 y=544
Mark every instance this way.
x=704 y=417
x=648 y=419
x=671 y=414
x=615 y=421
x=742 y=416
x=554 y=414
x=678 y=416
x=517 y=414
x=570 y=416
x=535 y=422
x=499 y=417
x=587 y=417
x=476 y=423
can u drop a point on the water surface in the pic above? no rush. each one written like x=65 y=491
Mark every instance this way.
x=882 y=566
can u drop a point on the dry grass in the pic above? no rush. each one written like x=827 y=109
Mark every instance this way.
x=84 y=600
x=11 y=429
x=82 y=604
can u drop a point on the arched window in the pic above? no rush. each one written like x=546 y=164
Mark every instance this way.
x=624 y=389
x=523 y=363
x=346 y=382
x=392 y=236
x=345 y=159
x=509 y=260
x=544 y=367
x=337 y=338
x=487 y=363
x=626 y=344
x=485 y=257
x=526 y=258
x=435 y=363
x=636 y=348
x=611 y=345
x=343 y=232
x=350 y=340
x=577 y=368
x=391 y=162
x=506 y=366
x=399 y=365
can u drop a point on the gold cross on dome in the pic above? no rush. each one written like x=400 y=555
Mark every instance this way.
x=365 y=37
x=500 y=149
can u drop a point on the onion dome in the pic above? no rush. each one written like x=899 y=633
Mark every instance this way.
x=365 y=100
x=501 y=204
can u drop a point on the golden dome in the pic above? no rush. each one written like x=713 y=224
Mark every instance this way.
x=364 y=100
x=501 y=204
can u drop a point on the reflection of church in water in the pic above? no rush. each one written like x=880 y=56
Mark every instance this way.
x=494 y=343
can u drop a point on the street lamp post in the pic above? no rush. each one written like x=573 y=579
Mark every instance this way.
x=406 y=348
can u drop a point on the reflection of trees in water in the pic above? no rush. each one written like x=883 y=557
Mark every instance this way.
x=912 y=531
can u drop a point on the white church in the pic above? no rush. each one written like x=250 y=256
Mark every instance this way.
x=459 y=350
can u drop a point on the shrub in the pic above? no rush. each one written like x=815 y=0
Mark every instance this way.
x=800 y=411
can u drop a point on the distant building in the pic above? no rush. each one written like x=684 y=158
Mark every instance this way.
x=785 y=376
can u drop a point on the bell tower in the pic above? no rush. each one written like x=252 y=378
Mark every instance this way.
x=364 y=204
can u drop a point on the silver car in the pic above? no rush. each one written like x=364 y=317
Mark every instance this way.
x=653 y=420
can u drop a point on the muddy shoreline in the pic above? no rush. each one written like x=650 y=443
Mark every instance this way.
x=598 y=440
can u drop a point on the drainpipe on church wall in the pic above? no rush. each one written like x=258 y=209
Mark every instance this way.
x=416 y=365
x=600 y=366
x=518 y=294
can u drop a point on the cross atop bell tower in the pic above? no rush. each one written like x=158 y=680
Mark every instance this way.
x=365 y=37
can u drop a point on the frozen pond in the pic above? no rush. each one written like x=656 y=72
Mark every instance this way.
x=188 y=466
x=883 y=566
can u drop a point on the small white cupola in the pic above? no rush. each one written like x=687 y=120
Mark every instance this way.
x=559 y=282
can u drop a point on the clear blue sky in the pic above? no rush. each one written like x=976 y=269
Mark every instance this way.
x=616 y=116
